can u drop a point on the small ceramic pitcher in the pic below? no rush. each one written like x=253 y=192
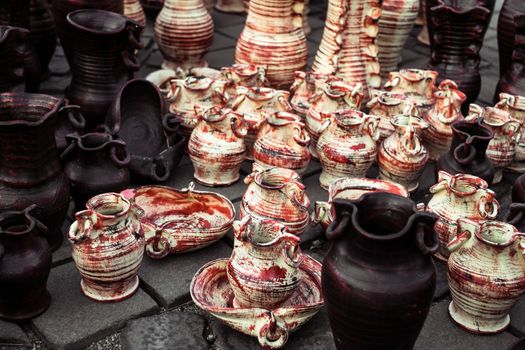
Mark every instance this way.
x=486 y=275
x=515 y=105
x=305 y=86
x=249 y=75
x=263 y=270
x=417 y=84
x=108 y=247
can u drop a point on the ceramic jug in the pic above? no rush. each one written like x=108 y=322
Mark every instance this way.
x=263 y=270
x=507 y=32
x=515 y=105
x=512 y=80
x=248 y=75
x=25 y=262
x=282 y=141
x=347 y=145
x=304 y=87
x=276 y=194
x=402 y=156
x=108 y=247
x=133 y=9
x=459 y=196
x=416 y=84
x=379 y=272
x=493 y=253
x=216 y=146
x=43 y=34
x=438 y=137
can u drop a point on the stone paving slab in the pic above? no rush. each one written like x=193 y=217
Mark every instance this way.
x=517 y=318
x=11 y=336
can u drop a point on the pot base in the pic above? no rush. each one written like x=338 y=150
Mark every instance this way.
x=30 y=312
x=110 y=291
x=474 y=325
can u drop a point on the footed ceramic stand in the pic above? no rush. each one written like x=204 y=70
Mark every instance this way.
x=110 y=292
x=477 y=325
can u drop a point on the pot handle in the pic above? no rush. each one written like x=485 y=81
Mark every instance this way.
x=241 y=228
x=337 y=227
x=113 y=153
x=426 y=238
x=320 y=213
x=271 y=335
x=492 y=204
x=284 y=102
x=160 y=163
x=463 y=234
x=156 y=241
x=173 y=91
x=470 y=156
x=410 y=143
x=86 y=219
x=299 y=79
x=74 y=116
x=69 y=151
x=291 y=250
x=303 y=204
x=238 y=125
x=171 y=123
x=38 y=224
x=300 y=136
x=130 y=61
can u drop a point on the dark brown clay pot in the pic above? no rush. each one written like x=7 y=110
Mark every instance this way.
x=467 y=154
x=378 y=277
x=43 y=34
x=516 y=215
x=512 y=81
x=518 y=190
x=30 y=169
x=104 y=60
x=25 y=262
x=507 y=31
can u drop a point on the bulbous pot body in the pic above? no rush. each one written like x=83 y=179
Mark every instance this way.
x=417 y=85
x=43 y=33
x=304 y=87
x=133 y=9
x=515 y=105
x=248 y=75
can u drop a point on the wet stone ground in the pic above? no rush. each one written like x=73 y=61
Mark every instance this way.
x=161 y=315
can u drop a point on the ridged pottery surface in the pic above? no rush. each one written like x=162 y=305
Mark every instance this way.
x=459 y=196
x=305 y=86
x=438 y=137
x=402 y=156
x=348 y=47
x=416 y=84
x=249 y=75
x=486 y=275
x=282 y=141
x=276 y=194
x=507 y=31
x=133 y=9
x=330 y=96
x=43 y=33
x=515 y=105
x=396 y=22
x=347 y=146
x=216 y=147
x=108 y=247
x=273 y=36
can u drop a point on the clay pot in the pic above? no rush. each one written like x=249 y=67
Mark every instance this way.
x=516 y=216
x=491 y=252
x=184 y=32
x=276 y=194
x=133 y=9
x=273 y=36
x=108 y=247
x=263 y=270
x=380 y=242
x=518 y=190
x=96 y=163
x=43 y=35
x=417 y=85
x=515 y=105
x=216 y=147
x=347 y=145
x=507 y=32
x=230 y=6
x=247 y=75
x=30 y=169
x=438 y=137
x=282 y=141
x=25 y=262
x=459 y=196
x=304 y=87
x=402 y=156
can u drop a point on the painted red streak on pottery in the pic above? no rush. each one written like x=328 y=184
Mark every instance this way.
x=273 y=273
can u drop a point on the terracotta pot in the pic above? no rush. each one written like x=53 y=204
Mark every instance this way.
x=438 y=137
x=43 y=35
x=330 y=96
x=133 y=9
x=104 y=60
x=491 y=252
x=184 y=32
x=304 y=87
x=515 y=105
x=459 y=196
x=402 y=157
x=416 y=84
x=25 y=262
x=230 y=6
x=96 y=163
x=108 y=247
x=216 y=147
x=348 y=48
x=507 y=32
x=282 y=141
x=263 y=270
x=276 y=194
x=273 y=36
x=30 y=169
x=347 y=145
x=247 y=75
x=379 y=243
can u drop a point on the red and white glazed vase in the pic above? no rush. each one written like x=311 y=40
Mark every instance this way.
x=402 y=156
x=263 y=270
x=459 y=196
x=108 y=247
x=486 y=275
x=276 y=194
x=347 y=145
x=133 y=9
x=273 y=36
x=216 y=146
x=418 y=85
x=184 y=32
x=282 y=142
x=305 y=86
x=515 y=105
x=331 y=96
x=248 y=75
x=438 y=137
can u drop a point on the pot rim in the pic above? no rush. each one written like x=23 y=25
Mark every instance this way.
x=197 y=84
x=415 y=75
x=109 y=15
x=292 y=176
x=126 y=205
x=453 y=179
x=496 y=117
x=27 y=97
x=246 y=69
x=349 y=117
x=28 y=222
x=282 y=118
x=388 y=98
x=499 y=226
x=261 y=93
x=473 y=123
x=460 y=10
x=515 y=102
x=81 y=139
x=337 y=88
x=374 y=185
x=411 y=121
x=5 y=31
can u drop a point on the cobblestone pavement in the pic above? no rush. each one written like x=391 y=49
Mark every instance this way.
x=161 y=315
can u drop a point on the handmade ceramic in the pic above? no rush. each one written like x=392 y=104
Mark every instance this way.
x=43 y=34
x=277 y=194
x=30 y=169
x=402 y=156
x=492 y=252
x=304 y=87
x=437 y=138
x=216 y=146
x=283 y=142
x=248 y=75
x=507 y=31
x=25 y=262
x=518 y=190
x=515 y=105
x=379 y=272
x=108 y=247
x=230 y=6
x=347 y=145
x=459 y=196
x=417 y=85
x=133 y=9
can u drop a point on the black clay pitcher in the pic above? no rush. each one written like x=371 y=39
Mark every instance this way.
x=25 y=261
x=104 y=60
x=378 y=277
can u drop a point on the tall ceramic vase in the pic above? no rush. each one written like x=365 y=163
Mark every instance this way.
x=133 y=9
x=184 y=32
x=515 y=105
x=43 y=33
x=512 y=81
x=273 y=36
x=507 y=31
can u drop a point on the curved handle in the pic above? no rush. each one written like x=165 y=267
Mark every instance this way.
x=171 y=123
x=130 y=61
x=74 y=116
x=284 y=102
x=512 y=130
x=69 y=151
x=158 y=246
x=303 y=204
x=173 y=92
x=372 y=127
x=271 y=335
x=241 y=228
x=222 y=95
x=410 y=143
x=488 y=207
x=238 y=126
x=426 y=238
x=292 y=251
x=320 y=214
x=460 y=239
x=299 y=78
x=86 y=220
x=470 y=156
x=113 y=153
x=40 y=226
x=300 y=136
x=410 y=108
x=160 y=170
x=337 y=227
